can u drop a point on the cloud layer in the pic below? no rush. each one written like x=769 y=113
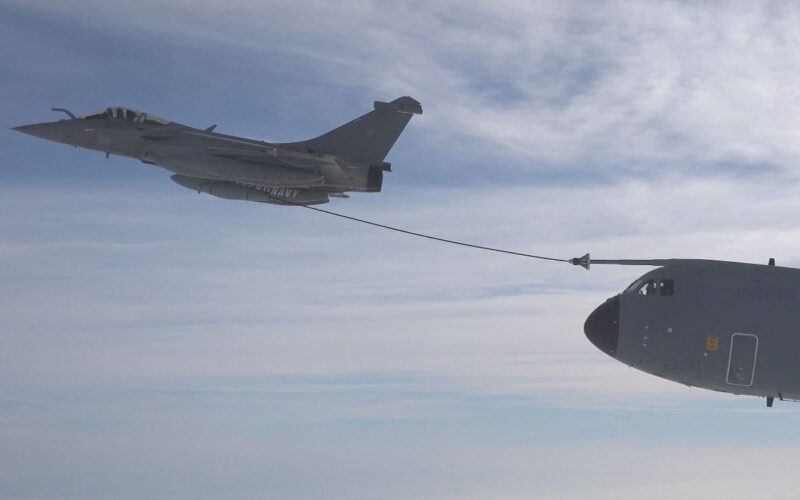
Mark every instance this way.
x=621 y=87
x=172 y=345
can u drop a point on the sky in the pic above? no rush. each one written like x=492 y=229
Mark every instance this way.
x=159 y=343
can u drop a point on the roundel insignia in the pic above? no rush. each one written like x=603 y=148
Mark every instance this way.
x=712 y=343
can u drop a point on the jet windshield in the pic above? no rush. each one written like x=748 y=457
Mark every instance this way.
x=120 y=113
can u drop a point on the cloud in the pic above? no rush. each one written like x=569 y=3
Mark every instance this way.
x=293 y=293
x=180 y=345
x=623 y=87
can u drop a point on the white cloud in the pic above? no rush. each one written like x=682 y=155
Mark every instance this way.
x=621 y=86
x=205 y=340
x=295 y=293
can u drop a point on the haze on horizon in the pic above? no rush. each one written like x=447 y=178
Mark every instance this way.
x=163 y=344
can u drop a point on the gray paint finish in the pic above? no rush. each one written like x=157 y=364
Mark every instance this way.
x=348 y=158
x=718 y=325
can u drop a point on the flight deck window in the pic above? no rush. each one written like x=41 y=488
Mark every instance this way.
x=634 y=286
x=648 y=288
x=652 y=287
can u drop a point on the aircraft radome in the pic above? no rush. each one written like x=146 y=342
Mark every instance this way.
x=348 y=158
x=725 y=326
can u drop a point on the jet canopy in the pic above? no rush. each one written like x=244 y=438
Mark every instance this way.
x=122 y=113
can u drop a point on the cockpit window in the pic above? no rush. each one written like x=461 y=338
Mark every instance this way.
x=648 y=288
x=634 y=286
x=654 y=287
x=153 y=120
x=127 y=114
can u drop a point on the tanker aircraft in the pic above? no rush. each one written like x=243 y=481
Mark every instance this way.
x=348 y=158
x=725 y=326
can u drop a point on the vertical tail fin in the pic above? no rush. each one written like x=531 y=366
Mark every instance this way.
x=369 y=137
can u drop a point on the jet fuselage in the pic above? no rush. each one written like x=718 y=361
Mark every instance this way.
x=348 y=158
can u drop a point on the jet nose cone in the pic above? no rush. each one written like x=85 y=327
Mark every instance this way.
x=52 y=131
x=25 y=129
x=602 y=326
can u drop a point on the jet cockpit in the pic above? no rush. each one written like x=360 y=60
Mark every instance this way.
x=122 y=113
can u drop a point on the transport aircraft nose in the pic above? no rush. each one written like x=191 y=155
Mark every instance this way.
x=602 y=326
x=52 y=131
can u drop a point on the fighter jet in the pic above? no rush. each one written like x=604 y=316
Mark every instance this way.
x=725 y=326
x=348 y=158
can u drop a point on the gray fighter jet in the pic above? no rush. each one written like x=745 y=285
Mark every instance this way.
x=724 y=326
x=348 y=158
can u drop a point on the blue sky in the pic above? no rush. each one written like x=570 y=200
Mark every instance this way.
x=162 y=344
